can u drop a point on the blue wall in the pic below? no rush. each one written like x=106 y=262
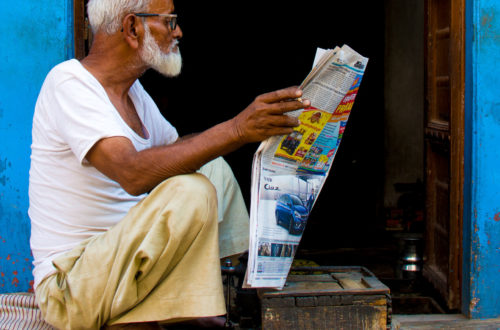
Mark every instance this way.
x=36 y=36
x=481 y=289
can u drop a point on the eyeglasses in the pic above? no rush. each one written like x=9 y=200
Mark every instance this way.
x=171 y=19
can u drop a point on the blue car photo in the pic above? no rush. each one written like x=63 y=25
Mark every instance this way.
x=291 y=214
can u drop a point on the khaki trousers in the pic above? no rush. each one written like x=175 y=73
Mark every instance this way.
x=160 y=263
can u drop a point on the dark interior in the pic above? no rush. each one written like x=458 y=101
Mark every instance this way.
x=234 y=51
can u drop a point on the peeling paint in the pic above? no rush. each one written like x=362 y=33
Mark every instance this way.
x=497 y=217
x=486 y=20
x=473 y=304
x=489 y=27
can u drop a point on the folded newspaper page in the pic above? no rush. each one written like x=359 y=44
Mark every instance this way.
x=289 y=171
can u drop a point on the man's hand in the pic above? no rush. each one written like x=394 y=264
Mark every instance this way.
x=266 y=115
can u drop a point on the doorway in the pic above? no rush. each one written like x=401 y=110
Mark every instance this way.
x=380 y=194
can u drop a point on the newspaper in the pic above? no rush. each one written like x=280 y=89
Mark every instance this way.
x=289 y=171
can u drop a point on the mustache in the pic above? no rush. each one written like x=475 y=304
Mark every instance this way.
x=174 y=43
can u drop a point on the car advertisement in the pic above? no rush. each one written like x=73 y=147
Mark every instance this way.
x=285 y=204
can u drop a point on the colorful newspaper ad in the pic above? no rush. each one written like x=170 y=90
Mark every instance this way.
x=289 y=171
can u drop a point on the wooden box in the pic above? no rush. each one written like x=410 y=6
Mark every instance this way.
x=328 y=298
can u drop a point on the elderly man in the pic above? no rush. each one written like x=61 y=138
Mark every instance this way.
x=124 y=231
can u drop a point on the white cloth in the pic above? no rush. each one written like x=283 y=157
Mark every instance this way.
x=76 y=201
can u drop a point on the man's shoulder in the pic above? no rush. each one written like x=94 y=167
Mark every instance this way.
x=69 y=65
x=65 y=70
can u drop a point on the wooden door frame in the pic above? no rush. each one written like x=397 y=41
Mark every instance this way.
x=457 y=85
x=455 y=131
x=80 y=30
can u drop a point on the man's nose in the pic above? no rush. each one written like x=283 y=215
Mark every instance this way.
x=177 y=33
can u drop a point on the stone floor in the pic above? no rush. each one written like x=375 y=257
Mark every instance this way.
x=442 y=321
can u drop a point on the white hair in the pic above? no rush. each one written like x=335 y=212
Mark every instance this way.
x=107 y=15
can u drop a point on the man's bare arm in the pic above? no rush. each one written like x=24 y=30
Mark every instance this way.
x=139 y=172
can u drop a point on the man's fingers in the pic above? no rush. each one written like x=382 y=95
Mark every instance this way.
x=281 y=131
x=284 y=121
x=280 y=95
x=291 y=122
x=266 y=116
x=287 y=106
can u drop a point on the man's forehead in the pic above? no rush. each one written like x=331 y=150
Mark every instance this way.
x=162 y=6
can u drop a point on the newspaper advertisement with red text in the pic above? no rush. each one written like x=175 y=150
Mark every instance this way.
x=289 y=171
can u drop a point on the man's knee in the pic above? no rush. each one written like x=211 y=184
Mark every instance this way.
x=192 y=192
x=196 y=186
x=194 y=183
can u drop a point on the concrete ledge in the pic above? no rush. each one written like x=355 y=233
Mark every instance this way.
x=442 y=321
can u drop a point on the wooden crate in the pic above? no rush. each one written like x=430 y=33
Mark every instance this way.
x=328 y=298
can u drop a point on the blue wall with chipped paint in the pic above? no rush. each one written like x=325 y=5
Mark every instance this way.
x=481 y=274
x=37 y=35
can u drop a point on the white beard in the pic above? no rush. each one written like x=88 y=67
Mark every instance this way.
x=168 y=64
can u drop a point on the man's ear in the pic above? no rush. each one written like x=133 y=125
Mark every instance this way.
x=132 y=30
